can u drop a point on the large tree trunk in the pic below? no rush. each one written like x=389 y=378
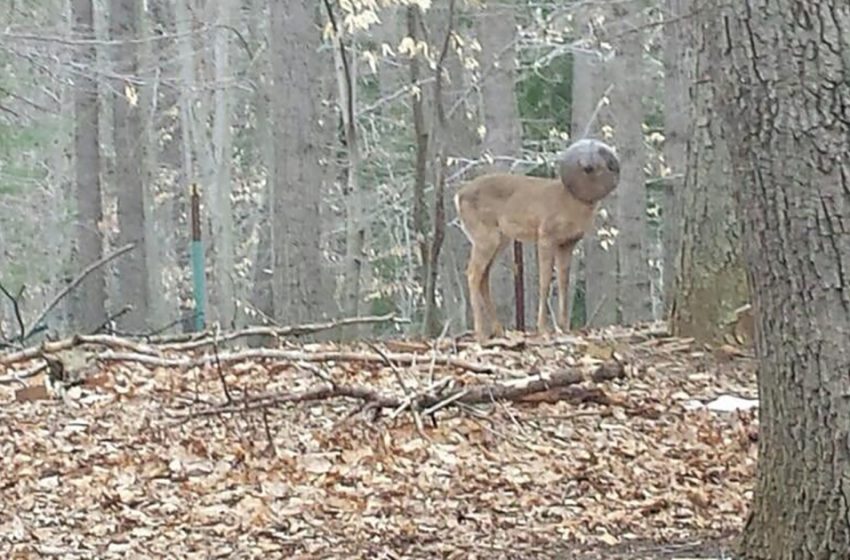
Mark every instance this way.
x=124 y=25
x=261 y=293
x=299 y=176
x=155 y=230
x=634 y=293
x=783 y=80
x=220 y=188
x=711 y=281
x=590 y=113
x=678 y=73
x=356 y=225
x=496 y=31
x=89 y=302
x=170 y=186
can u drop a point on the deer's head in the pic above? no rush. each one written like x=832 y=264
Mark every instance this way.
x=589 y=169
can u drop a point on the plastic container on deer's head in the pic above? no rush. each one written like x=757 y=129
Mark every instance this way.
x=589 y=169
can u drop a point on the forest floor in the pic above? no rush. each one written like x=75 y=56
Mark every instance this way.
x=302 y=450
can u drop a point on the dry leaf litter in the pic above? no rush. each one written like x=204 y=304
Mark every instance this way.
x=124 y=467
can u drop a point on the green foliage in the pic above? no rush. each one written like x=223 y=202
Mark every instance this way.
x=544 y=98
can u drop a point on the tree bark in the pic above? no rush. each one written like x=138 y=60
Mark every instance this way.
x=496 y=30
x=711 y=280
x=299 y=176
x=634 y=296
x=462 y=143
x=783 y=79
x=155 y=230
x=220 y=188
x=439 y=143
x=261 y=292
x=355 y=221
x=124 y=26
x=590 y=112
x=678 y=76
x=421 y=139
x=89 y=301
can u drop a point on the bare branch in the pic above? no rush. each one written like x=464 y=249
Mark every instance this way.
x=74 y=283
x=298 y=355
x=196 y=340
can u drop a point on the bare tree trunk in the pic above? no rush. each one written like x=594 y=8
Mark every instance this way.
x=298 y=182
x=219 y=189
x=355 y=238
x=496 y=31
x=171 y=213
x=157 y=314
x=422 y=139
x=431 y=321
x=783 y=84
x=261 y=295
x=89 y=301
x=711 y=280
x=586 y=92
x=125 y=22
x=590 y=112
x=628 y=69
x=678 y=75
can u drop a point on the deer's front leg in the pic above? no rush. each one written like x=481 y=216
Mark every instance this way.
x=545 y=258
x=563 y=258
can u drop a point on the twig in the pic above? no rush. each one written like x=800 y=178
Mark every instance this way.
x=269 y=432
x=317 y=371
x=393 y=367
x=444 y=403
x=26 y=374
x=596 y=110
x=15 y=307
x=74 y=283
x=220 y=372
x=105 y=325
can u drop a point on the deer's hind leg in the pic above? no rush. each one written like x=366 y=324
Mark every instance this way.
x=484 y=250
x=545 y=263
x=496 y=328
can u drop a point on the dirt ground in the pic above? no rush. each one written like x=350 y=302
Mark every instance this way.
x=208 y=452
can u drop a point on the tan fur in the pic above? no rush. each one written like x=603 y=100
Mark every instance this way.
x=499 y=207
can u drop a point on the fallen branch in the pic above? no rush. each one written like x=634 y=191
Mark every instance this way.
x=190 y=341
x=18 y=377
x=470 y=395
x=77 y=340
x=297 y=355
x=74 y=283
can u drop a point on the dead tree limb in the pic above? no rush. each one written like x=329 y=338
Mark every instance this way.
x=298 y=355
x=77 y=340
x=484 y=393
x=74 y=283
x=190 y=341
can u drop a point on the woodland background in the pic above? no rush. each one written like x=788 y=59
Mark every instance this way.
x=328 y=139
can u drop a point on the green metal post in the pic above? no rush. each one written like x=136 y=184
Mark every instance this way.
x=199 y=287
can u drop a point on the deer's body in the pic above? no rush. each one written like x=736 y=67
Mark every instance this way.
x=552 y=213
x=522 y=208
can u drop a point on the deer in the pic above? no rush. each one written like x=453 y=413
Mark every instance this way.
x=553 y=213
